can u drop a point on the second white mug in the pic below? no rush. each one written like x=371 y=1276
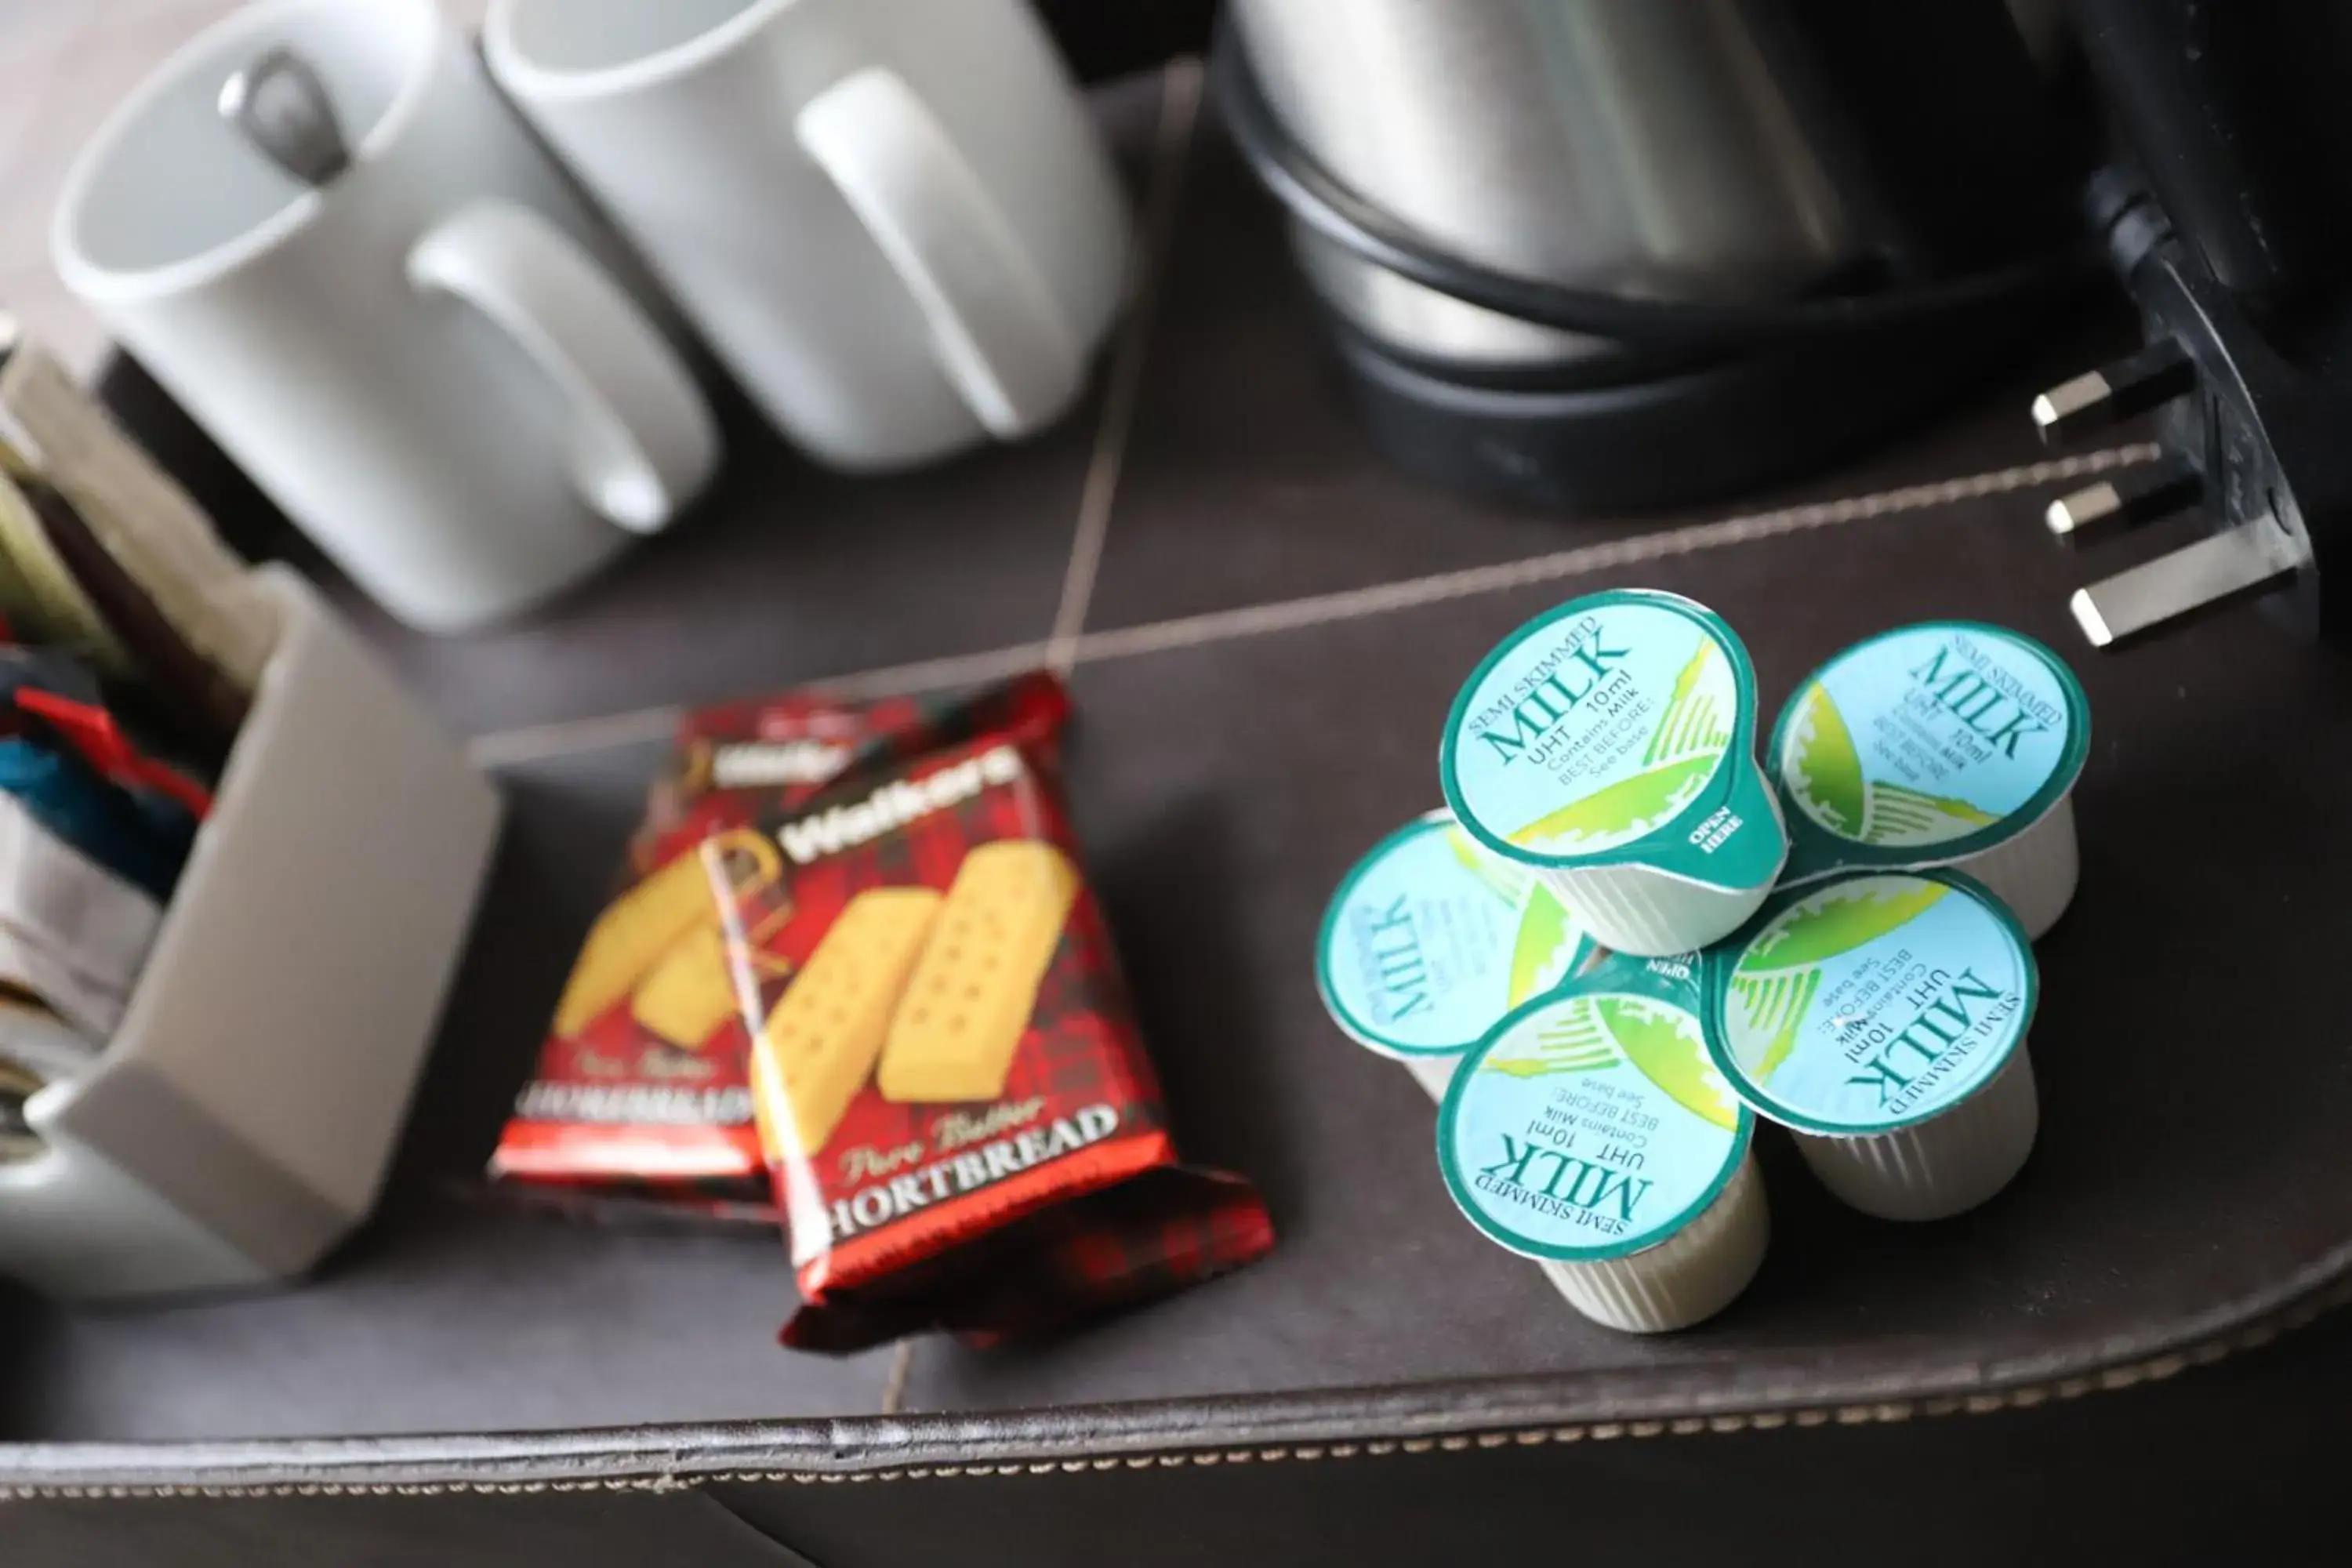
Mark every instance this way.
x=893 y=219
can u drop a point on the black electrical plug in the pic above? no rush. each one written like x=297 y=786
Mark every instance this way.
x=2235 y=250
x=2263 y=445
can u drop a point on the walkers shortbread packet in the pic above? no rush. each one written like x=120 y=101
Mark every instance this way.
x=641 y=1090
x=962 y=1127
x=953 y=1111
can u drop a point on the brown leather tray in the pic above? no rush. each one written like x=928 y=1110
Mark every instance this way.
x=1276 y=629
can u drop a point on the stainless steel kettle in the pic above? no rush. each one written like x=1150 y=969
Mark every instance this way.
x=1471 y=180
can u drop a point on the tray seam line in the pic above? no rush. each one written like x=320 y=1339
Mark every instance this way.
x=572 y=737
x=2129 y=1374
x=1180 y=114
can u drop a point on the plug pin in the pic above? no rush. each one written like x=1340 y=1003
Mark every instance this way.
x=2101 y=511
x=2253 y=557
x=2158 y=374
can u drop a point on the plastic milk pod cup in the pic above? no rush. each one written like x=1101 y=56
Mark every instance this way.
x=1882 y=1017
x=1607 y=747
x=1591 y=1130
x=1948 y=743
x=1430 y=939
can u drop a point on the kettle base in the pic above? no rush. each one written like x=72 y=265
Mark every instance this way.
x=1682 y=437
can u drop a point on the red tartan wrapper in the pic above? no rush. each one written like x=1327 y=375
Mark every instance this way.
x=641 y=1094
x=963 y=1130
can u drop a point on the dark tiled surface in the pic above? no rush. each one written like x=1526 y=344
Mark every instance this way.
x=1223 y=791
x=1248 y=476
x=452 y=1312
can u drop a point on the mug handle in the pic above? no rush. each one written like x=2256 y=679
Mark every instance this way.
x=640 y=440
x=1001 y=338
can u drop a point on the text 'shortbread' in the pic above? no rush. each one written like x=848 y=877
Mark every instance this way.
x=929 y=1056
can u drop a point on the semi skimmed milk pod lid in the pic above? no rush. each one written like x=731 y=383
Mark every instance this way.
x=1618 y=728
x=1926 y=745
x=1871 y=1003
x=1430 y=939
x=1590 y=1124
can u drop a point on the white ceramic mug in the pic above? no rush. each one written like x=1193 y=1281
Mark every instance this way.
x=427 y=362
x=893 y=219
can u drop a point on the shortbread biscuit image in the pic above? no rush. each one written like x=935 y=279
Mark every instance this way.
x=640 y=927
x=818 y=1047
x=970 y=1001
x=689 y=993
